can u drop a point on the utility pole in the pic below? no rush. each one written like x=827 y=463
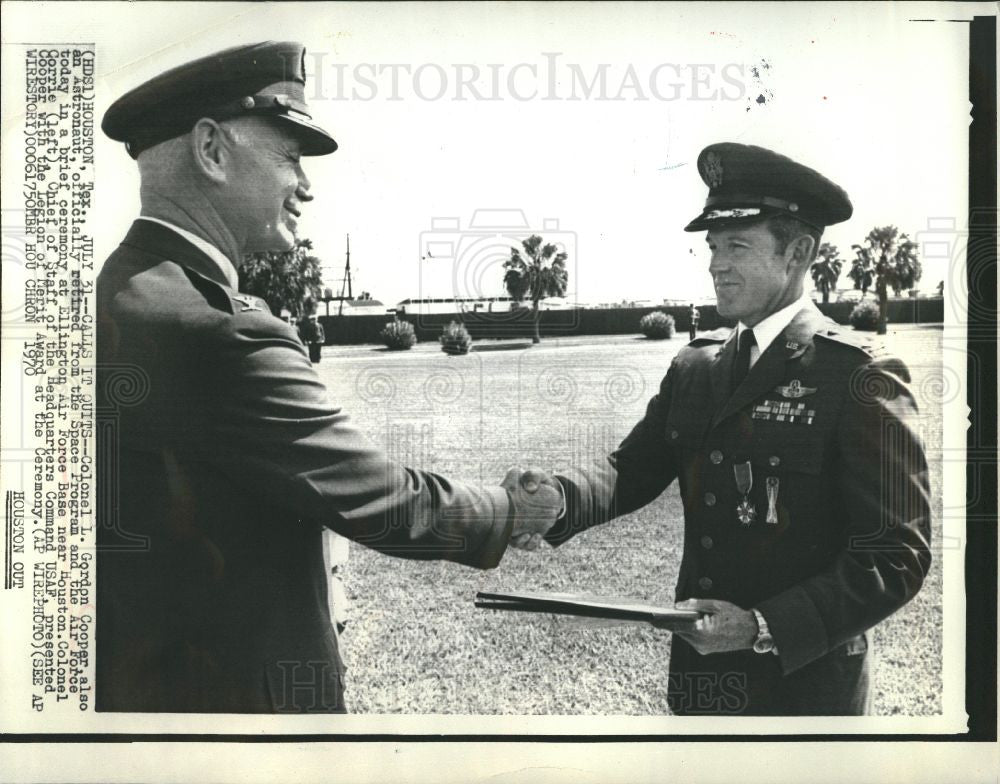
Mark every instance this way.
x=347 y=279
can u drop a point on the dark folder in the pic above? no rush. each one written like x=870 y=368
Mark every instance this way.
x=583 y=606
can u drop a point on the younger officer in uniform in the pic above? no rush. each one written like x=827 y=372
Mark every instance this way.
x=804 y=485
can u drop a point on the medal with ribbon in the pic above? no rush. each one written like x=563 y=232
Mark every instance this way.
x=745 y=511
x=772 y=500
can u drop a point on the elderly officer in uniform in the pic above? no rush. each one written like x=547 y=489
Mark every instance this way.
x=222 y=458
x=804 y=485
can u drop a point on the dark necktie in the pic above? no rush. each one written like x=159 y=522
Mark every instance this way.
x=742 y=364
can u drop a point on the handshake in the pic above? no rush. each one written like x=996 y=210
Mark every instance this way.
x=538 y=501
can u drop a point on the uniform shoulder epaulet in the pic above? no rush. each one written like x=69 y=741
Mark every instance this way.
x=214 y=294
x=246 y=303
x=715 y=336
x=862 y=341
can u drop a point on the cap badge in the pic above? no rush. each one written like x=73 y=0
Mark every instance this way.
x=794 y=390
x=713 y=170
x=248 y=303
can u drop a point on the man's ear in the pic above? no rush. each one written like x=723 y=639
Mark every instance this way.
x=210 y=147
x=799 y=252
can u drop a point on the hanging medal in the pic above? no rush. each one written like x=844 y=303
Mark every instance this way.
x=772 y=500
x=745 y=511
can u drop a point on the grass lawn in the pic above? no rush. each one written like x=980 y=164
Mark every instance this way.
x=416 y=644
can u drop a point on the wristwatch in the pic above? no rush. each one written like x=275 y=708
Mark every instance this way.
x=764 y=642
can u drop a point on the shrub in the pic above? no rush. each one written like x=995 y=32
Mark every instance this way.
x=657 y=325
x=455 y=339
x=865 y=315
x=398 y=335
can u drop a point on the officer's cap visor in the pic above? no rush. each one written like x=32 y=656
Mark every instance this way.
x=313 y=139
x=715 y=218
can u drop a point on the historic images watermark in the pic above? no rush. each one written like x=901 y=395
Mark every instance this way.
x=551 y=77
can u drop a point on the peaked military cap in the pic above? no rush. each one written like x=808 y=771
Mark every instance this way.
x=747 y=183
x=264 y=79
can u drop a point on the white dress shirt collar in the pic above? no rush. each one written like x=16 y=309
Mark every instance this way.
x=216 y=255
x=769 y=328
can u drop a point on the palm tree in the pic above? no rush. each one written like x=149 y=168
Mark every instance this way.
x=283 y=279
x=906 y=269
x=862 y=272
x=890 y=259
x=541 y=272
x=826 y=269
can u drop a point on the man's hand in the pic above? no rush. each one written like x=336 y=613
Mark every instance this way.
x=538 y=501
x=723 y=627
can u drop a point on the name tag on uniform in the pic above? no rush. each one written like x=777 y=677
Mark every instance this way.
x=784 y=411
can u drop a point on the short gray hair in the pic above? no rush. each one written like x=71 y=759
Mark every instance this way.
x=163 y=159
x=785 y=229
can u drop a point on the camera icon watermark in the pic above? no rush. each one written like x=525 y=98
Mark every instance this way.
x=16 y=273
x=462 y=272
x=969 y=253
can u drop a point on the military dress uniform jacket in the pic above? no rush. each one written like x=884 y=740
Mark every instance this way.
x=832 y=425
x=221 y=462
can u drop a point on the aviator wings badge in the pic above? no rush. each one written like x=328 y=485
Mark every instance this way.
x=248 y=303
x=794 y=390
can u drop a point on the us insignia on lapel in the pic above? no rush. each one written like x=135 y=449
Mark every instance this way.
x=248 y=303
x=794 y=390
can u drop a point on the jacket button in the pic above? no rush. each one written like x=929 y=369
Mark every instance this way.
x=774 y=461
x=715 y=456
x=705 y=583
x=674 y=434
x=706 y=542
x=709 y=499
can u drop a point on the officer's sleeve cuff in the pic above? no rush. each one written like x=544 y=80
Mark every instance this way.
x=579 y=511
x=796 y=626
x=492 y=549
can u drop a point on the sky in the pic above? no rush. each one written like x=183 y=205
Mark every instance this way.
x=465 y=128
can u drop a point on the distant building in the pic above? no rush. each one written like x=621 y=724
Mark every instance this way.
x=425 y=306
x=362 y=305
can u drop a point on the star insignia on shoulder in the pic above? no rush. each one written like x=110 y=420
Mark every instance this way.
x=872 y=348
x=715 y=337
x=248 y=302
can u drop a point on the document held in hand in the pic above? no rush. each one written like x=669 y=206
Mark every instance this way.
x=583 y=606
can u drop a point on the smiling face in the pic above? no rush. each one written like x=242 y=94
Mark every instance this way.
x=752 y=277
x=265 y=186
